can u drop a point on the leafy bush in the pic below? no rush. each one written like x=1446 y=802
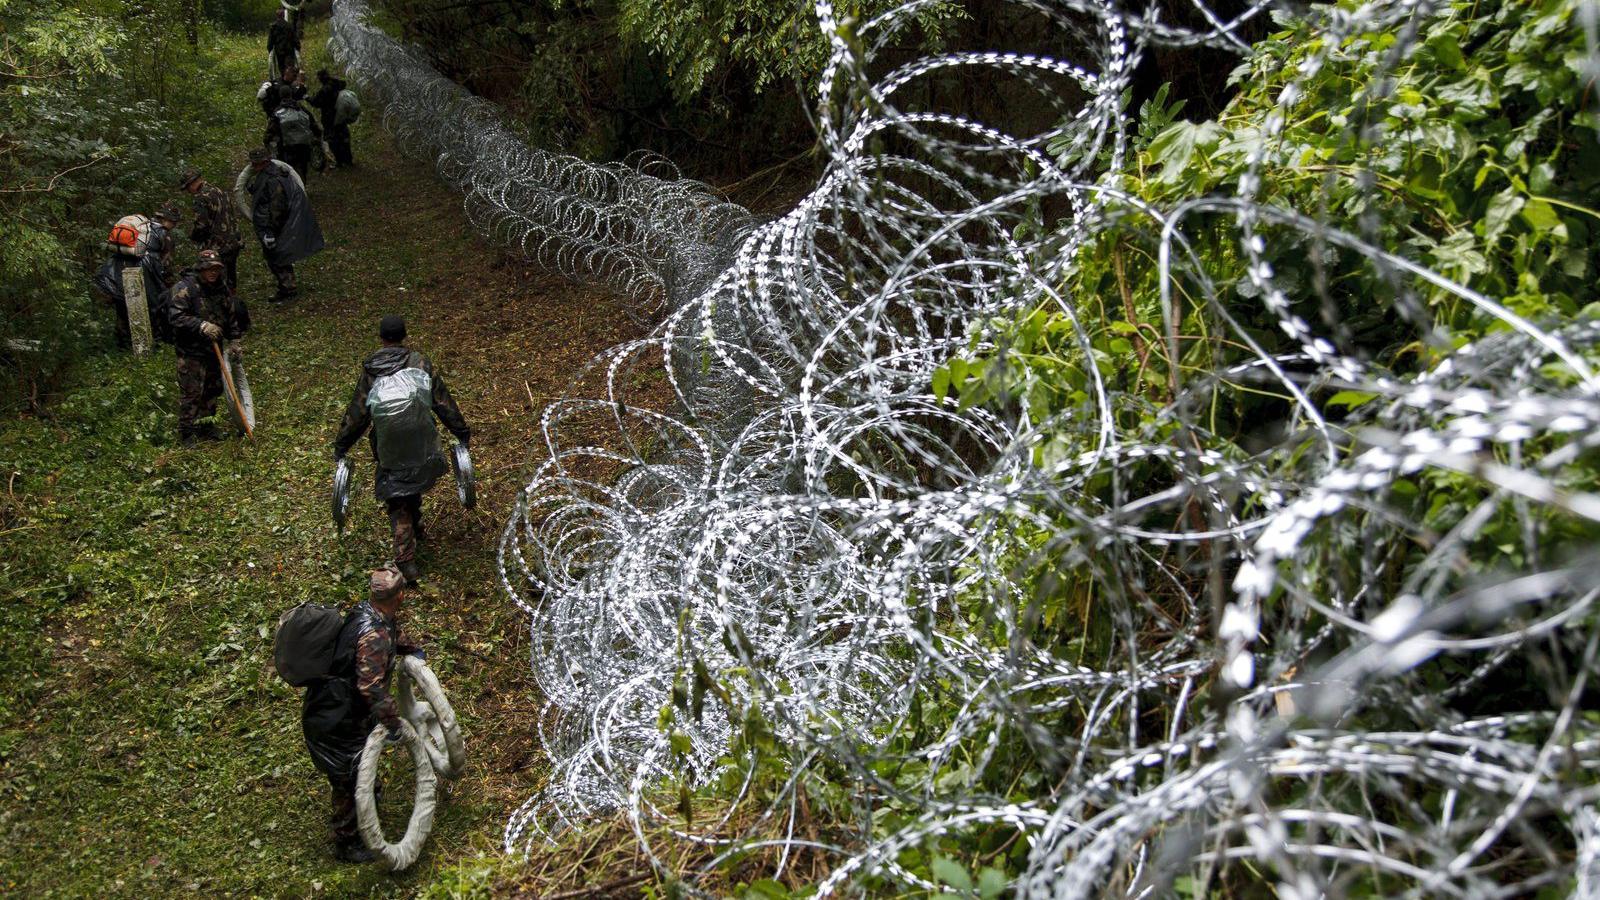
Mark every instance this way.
x=1484 y=161
x=1474 y=152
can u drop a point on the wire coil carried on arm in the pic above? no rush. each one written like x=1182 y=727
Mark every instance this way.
x=432 y=716
x=402 y=854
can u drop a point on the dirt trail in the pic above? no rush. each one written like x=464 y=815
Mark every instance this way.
x=508 y=338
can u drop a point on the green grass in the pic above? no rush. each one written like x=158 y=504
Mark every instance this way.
x=146 y=748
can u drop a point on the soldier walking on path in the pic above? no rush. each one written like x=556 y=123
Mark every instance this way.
x=283 y=47
x=399 y=395
x=281 y=214
x=342 y=709
x=294 y=132
x=216 y=227
x=334 y=126
x=271 y=89
x=203 y=313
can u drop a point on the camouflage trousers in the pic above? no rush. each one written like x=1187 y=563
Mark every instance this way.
x=284 y=276
x=199 y=386
x=405 y=520
x=342 y=818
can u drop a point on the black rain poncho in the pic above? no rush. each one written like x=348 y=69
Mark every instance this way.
x=280 y=208
x=336 y=719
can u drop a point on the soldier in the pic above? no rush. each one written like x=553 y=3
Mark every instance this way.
x=326 y=102
x=268 y=94
x=283 y=47
x=294 y=132
x=342 y=709
x=162 y=243
x=294 y=12
x=282 y=217
x=216 y=226
x=404 y=389
x=108 y=283
x=202 y=313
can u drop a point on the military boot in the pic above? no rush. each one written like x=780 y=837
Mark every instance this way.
x=353 y=852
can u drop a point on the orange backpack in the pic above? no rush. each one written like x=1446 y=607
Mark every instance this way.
x=130 y=236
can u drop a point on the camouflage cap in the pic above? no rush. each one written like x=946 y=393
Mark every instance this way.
x=209 y=259
x=386 y=582
x=190 y=176
x=260 y=154
x=170 y=212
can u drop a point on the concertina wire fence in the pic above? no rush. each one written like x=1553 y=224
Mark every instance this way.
x=804 y=537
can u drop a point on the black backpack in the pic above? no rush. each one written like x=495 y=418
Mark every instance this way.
x=304 y=644
x=294 y=125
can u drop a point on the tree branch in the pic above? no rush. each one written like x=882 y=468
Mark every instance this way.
x=56 y=177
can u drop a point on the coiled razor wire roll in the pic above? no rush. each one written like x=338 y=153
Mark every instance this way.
x=339 y=498
x=814 y=558
x=402 y=854
x=433 y=717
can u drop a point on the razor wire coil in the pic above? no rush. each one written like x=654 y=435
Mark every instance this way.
x=804 y=534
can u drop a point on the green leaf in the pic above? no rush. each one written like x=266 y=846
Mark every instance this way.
x=1502 y=208
x=1351 y=399
x=1541 y=215
x=1447 y=51
x=951 y=873
x=1175 y=148
x=991 y=883
x=680 y=743
x=765 y=889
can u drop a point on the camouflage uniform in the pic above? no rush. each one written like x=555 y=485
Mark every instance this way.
x=216 y=227
x=341 y=711
x=193 y=303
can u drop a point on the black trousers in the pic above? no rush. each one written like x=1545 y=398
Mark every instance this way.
x=339 y=143
x=299 y=157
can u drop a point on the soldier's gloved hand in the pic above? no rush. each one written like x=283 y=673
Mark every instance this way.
x=211 y=330
x=419 y=652
x=236 y=348
x=395 y=735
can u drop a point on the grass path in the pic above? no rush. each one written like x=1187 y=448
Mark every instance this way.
x=146 y=748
